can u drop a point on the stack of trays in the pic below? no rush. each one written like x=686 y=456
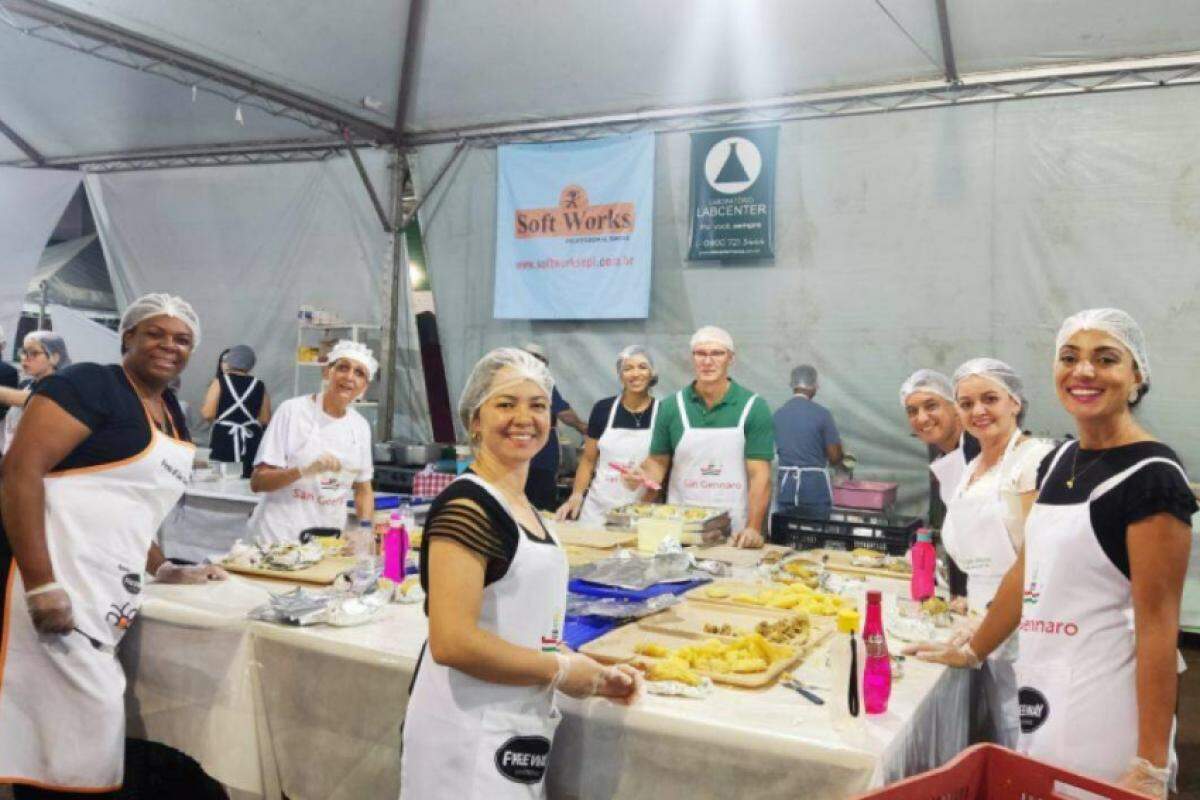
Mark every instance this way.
x=701 y=524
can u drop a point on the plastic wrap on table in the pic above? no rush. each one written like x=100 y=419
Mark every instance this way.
x=297 y=607
x=618 y=608
x=679 y=689
x=636 y=573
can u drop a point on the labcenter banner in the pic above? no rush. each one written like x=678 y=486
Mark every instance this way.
x=733 y=194
x=573 y=229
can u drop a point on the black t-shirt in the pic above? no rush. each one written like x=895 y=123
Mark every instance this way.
x=493 y=533
x=625 y=418
x=1152 y=489
x=10 y=378
x=101 y=397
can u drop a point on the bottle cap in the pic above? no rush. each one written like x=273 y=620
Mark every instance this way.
x=847 y=620
x=874 y=597
x=924 y=535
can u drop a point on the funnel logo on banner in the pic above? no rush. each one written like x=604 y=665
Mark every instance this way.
x=573 y=239
x=732 y=165
x=574 y=216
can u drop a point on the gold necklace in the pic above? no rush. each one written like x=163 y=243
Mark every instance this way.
x=1074 y=459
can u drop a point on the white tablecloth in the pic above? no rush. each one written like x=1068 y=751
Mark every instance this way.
x=315 y=713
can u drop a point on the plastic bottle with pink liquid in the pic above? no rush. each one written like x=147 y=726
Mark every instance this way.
x=877 y=675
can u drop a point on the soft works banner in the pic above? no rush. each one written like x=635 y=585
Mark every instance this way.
x=574 y=228
x=733 y=194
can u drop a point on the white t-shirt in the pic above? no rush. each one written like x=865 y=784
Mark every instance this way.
x=1014 y=477
x=299 y=432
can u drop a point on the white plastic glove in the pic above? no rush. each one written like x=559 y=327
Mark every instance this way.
x=952 y=655
x=1144 y=777
x=325 y=462
x=200 y=573
x=580 y=677
x=50 y=609
x=964 y=629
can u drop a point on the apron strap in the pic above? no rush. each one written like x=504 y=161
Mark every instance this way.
x=612 y=412
x=1115 y=480
x=682 y=411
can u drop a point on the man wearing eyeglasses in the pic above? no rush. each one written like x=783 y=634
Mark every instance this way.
x=717 y=439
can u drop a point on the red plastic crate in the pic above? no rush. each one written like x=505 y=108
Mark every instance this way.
x=872 y=495
x=991 y=772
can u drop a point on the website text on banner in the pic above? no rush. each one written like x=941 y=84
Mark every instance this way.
x=733 y=194
x=574 y=225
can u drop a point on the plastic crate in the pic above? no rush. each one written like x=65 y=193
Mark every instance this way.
x=991 y=772
x=845 y=529
x=872 y=495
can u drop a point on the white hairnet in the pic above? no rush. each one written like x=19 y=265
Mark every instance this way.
x=536 y=350
x=927 y=380
x=157 y=304
x=1117 y=324
x=997 y=372
x=354 y=351
x=804 y=377
x=481 y=383
x=711 y=334
x=630 y=352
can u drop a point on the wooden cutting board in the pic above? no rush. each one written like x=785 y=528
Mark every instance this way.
x=578 y=556
x=569 y=533
x=617 y=647
x=689 y=619
x=840 y=561
x=737 y=556
x=322 y=574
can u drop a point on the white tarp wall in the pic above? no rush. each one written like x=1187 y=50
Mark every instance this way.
x=86 y=340
x=247 y=246
x=31 y=203
x=904 y=240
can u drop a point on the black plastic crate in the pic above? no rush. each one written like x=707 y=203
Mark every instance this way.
x=845 y=529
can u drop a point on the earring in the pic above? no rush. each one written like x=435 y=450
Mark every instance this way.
x=1133 y=394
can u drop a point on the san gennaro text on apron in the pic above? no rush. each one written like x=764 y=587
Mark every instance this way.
x=624 y=446
x=708 y=467
x=62 y=705
x=468 y=738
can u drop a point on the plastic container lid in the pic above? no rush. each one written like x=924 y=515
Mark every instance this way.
x=924 y=535
x=847 y=620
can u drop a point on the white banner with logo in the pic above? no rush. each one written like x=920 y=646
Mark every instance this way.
x=573 y=229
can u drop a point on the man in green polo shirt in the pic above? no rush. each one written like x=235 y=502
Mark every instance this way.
x=717 y=438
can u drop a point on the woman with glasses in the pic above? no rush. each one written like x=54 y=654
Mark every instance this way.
x=42 y=353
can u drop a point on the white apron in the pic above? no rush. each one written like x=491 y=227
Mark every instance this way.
x=797 y=474
x=1077 y=668
x=975 y=536
x=473 y=740
x=62 y=702
x=948 y=470
x=318 y=501
x=621 y=446
x=708 y=467
x=239 y=432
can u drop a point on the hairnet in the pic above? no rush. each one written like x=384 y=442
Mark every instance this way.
x=713 y=335
x=630 y=352
x=348 y=349
x=240 y=356
x=53 y=344
x=1115 y=323
x=158 y=304
x=481 y=383
x=804 y=377
x=537 y=351
x=994 y=370
x=927 y=380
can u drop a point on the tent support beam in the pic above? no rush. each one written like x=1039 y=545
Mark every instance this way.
x=984 y=87
x=437 y=179
x=273 y=152
x=949 y=64
x=366 y=180
x=413 y=35
x=61 y=25
x=391 y=314
x=22 y=145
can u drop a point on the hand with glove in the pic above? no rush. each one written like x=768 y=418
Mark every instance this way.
x=197 y=574
x=580 y=677
x=50 y=609
x=326 y=462
x=1144 y=777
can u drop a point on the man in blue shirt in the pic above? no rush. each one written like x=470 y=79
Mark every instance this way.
x=807 y=442
x=541 y=486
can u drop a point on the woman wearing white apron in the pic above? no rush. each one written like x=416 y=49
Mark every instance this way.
x=100 y=458
x=316 y=454
x=481 y=718
x=1097 y=589
x=717 y=439
x=618 y=432
x=239 y=408
x=985 y=515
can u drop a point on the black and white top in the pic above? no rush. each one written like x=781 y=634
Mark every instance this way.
x=481 y=525
x=625 y=419
x=1153 y=489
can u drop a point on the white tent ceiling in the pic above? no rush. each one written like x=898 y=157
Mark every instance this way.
x=478 y=63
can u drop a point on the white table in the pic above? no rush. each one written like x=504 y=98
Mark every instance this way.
x=315 y=713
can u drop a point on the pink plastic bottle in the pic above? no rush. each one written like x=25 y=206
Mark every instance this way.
x=924 y=561
x=877 y=675
x=395 y=548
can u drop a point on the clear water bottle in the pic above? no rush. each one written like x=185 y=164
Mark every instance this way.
x=877 y=675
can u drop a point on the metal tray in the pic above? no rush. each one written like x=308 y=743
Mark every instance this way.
x=695 y=518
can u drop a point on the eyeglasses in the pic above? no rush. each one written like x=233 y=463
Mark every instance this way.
x=714 y=355
x=23 y=353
